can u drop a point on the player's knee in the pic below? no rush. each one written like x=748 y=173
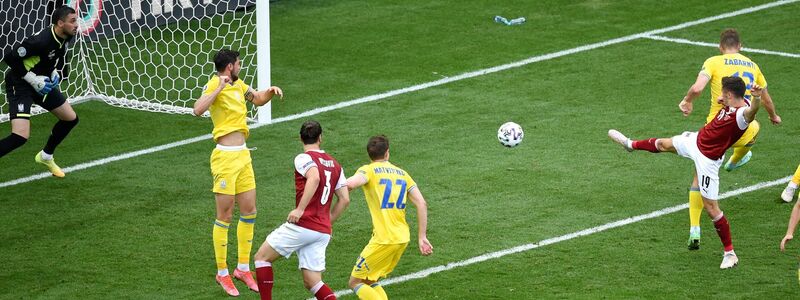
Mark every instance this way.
x=72 y=123
x=354 y=282
x=309 y=283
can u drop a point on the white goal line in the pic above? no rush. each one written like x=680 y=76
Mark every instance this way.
x=388 y=94
x=744 y=49
x=522 y=248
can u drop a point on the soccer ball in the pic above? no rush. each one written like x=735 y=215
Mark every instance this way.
x=510 y=134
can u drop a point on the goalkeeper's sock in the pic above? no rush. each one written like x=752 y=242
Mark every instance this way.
x=695 y=209
x=244 y=237
x=648 y=144
x=60 y=131
x=795 y=178
x=265 y=279
x=724 y=231
x=366 y=292
x=322 y=291
x=379 y=289
x=220 y=237
x=11 y=142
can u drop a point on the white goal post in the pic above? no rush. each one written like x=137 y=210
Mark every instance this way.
x=152 y=55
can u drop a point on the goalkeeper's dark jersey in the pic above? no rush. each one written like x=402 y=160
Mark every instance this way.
x=40 y=54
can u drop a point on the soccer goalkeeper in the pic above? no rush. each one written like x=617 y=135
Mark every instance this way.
x=33 y=77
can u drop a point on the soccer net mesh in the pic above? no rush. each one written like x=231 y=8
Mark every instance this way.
x=152 y=55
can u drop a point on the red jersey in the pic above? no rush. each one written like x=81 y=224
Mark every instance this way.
x=722 y=132
x=317 y=215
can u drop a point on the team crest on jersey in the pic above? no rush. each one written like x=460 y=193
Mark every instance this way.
x=22 y=51
x=51 y=54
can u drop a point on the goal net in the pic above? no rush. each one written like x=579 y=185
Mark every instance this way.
x=152 y=55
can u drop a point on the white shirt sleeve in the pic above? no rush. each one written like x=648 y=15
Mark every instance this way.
x=740 y=120
x=342 y=180
x=303 y=162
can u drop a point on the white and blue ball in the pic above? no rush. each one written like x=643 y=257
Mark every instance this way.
x=510 y=134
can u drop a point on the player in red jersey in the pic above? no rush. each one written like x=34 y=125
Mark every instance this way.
x=707 y=149
x=307 y=230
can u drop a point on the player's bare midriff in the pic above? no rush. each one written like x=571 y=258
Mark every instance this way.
x=235 y=138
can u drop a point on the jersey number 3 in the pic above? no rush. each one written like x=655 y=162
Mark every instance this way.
x=326 y=191
x=387 y=193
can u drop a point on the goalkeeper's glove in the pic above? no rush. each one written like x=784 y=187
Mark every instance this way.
x=41 y=84
x=55 y=78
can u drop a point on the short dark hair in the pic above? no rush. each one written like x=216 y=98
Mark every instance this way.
x=310 y=132
x=377 y=147
x=61 y=13
x=729 y=38
x=225 y=57
x=734 y=85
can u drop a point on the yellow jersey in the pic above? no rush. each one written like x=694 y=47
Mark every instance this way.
x=736 y=65
x=386 y=192
x=228 y=111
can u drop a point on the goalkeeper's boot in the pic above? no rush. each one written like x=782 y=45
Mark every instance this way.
x=620 y=138
x=788 y=193
x=50 y=164
x=227 y=285
x=729 y=260
x=694 y=242
x=730 y=166
x=247 y=278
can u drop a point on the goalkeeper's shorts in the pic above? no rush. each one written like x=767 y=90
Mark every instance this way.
x=232 y=170
x=21 y=96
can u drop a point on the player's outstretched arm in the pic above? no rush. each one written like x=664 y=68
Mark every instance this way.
x=770 y=107
x=694 y=91
x=356 y=181
x=425 y=246
x=792 y=225
x=755 y=104
x=312 y=182
x=342 y=202
x=260 y=98
x=204 y=102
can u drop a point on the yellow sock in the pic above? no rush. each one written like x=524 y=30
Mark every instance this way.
x=695 y=207
x=796 y=177
x=739 y=152
x=244 y=236
x=379 y=289
x=220 y=237
x=366 y=292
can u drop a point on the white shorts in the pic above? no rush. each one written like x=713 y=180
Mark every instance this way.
x=707 y=169
x=310 y=245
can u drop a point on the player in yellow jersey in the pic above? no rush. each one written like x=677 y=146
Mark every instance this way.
x=794 y=218
x=387 y=189
x=729 y=63
x=225 y=96
x=791 y=188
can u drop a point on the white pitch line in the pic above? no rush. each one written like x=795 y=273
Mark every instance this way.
x=744 y=49
x=522 y=248
x=439 y=82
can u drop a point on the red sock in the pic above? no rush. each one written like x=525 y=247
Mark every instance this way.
x=648 y=144
x=324 y=293
x=265 y=281
x=724 y=232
